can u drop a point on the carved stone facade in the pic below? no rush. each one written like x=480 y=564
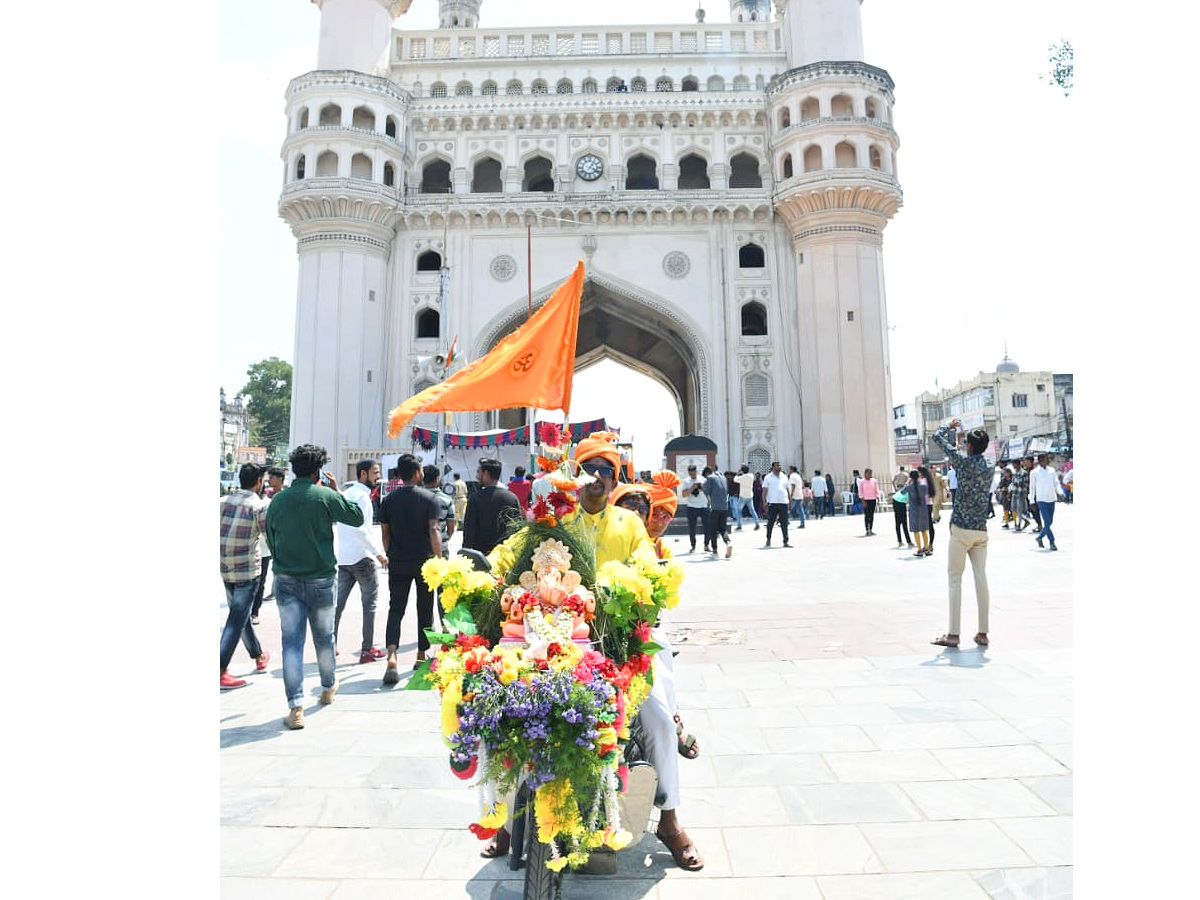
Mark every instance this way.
x=727 y=191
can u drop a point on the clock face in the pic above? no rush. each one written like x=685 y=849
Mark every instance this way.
x=589 y=167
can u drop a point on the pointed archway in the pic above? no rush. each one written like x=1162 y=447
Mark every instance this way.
x=619 y=321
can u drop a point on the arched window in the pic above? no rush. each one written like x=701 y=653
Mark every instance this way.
x=389 y=174
x=716 y=83
x=429 y=261
x=363 y=118
x=429 y=323
x=360 y=166
x=872 y=108
x=691 y=83
x=304 y=117
x=539 y=87
x=754 y=320
x=613 y=85
x=785 y=117
x=743 y=172
x=787 y=166
x=589 y=85
x=331 y=114
x=488 y=89
x=300 y=168
x=844 y=155
x=435 y=177
x=327 y=165
x=564 y=86
x=539 y=175
x=757 y=390
x=759 y=460
x=641 y=174
x=390 y=127
x=741 y=83
x=812 y=159
x=842 y=105
x=437 y=89
x=513 y=88
x=876 y=159
x=810 y=109
x=751 y=256
x=487 y=178
x=638 y=85
x=664 y=84
x=463 y=89
x=693 y=172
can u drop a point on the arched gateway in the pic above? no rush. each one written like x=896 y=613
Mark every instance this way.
x=619 y=322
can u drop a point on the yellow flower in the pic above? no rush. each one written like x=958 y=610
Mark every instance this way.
x=508 y=674
x=451 y=697
x=617 y=840
x=608 y=735
x=496 y=818
x=434 y=571
x=556 y=865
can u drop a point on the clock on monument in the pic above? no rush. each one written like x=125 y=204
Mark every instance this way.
x=589 y=167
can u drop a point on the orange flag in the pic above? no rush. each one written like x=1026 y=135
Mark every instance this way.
x=533 y=366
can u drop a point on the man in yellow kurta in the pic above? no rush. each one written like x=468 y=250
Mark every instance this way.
x=618 y=533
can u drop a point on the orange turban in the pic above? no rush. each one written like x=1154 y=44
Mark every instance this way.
x=599 y=443
x=624 y=490
x=662 y=491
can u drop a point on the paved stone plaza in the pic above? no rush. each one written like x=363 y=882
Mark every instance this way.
x=843 y=757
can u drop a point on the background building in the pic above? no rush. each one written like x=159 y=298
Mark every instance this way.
x=235 y=432
x=727 y=185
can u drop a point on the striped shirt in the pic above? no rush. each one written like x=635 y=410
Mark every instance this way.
x=243 y=519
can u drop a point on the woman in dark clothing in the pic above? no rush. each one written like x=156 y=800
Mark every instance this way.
x=918 y=511
x=758 y=495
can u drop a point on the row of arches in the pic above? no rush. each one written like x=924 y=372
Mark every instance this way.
x=328 y=164
x=613 y=85
x=839 y=106
x=845 y=155
x=603 y=120
x=750 y=256
x=641 y=174
x=333 y=114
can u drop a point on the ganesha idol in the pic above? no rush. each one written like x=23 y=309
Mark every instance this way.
x=549 y=604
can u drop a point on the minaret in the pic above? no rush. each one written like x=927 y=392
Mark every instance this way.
x=834 y=151
x=344 y=162
x=458 y=13
x=749 y=10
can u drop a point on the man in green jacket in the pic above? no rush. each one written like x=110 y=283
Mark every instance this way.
x=300 y=524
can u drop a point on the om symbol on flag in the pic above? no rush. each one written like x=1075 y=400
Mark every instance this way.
x=520 y=366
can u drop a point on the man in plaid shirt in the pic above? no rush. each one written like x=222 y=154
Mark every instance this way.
x=243 y=519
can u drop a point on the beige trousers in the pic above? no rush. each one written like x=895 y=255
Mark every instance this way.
x=964 y=543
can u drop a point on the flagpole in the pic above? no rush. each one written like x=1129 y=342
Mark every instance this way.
x=529 y=282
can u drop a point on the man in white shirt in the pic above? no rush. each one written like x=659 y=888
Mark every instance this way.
x=776 y=495
x=952 y=481
x=818 y=491
x=796 y=494
x=745 y=499
x=1043 y=488
x=695 y=502
x=357 y=554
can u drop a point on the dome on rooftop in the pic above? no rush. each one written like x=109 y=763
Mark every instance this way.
x=1007 y=365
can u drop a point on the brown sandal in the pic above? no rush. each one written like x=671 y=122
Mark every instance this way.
x=689 y=748
x=946 y=640
x=683 y=851
x=497 y=846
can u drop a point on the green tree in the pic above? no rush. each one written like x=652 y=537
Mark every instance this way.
x=1062 y=66
x=268 y=393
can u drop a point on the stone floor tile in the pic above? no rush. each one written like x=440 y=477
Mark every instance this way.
x=1047 y=840
x=762 y=716
x=1029 y=707
x=317 y=771
x=767 y=769
x=943 y=846
x=851 y=714
x=944 y=711
x=975 y=799
x=915 y=736
x=901 y=886
x=800 y=850
x=887 y=765
x=717 y=699
x=587 y=887
x=744 y=741
x=729 y=807
x=705 y=887
x=257 y=851
x=818 y=739
x=994 y=733
x=1045 y=731
x=893 y=696
x=1056 y=790
x=1064 y=753
x=282 y=889
x=368 y=889
x=842 y=804
x=363 y=853
x=1023 y=761
x=1028 y=884
x=702 y=771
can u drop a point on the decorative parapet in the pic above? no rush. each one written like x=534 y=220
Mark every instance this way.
x=364 y=209
x=312 y=131
x=324 y=79
x=849 y=69
x=855 y=191
x=806 y=124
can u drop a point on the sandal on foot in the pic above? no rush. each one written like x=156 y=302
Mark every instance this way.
x=497 y=846
x=688 y=746
x=683 y=851
x=946 y=640
x=981 y=639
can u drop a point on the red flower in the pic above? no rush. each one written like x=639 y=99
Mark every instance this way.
x=465 y=771
x=467 y=641
x=622 y=777
x=549 y=434
x=554 y=649
x=642 y=631
x=480 y=832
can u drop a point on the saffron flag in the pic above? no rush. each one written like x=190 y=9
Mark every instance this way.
x=533 y=366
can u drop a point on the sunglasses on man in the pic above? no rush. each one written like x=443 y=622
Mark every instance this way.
x=598 y=470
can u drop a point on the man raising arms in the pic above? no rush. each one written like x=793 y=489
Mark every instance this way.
x=356 y=557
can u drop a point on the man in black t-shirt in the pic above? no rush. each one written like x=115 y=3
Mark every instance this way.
x=410 y=518
x=489 y=510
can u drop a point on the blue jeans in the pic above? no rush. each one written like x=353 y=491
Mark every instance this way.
x=798 y=509
x=303 y=602
x=740 y=505
x=240 y=597
x=1047 y=511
